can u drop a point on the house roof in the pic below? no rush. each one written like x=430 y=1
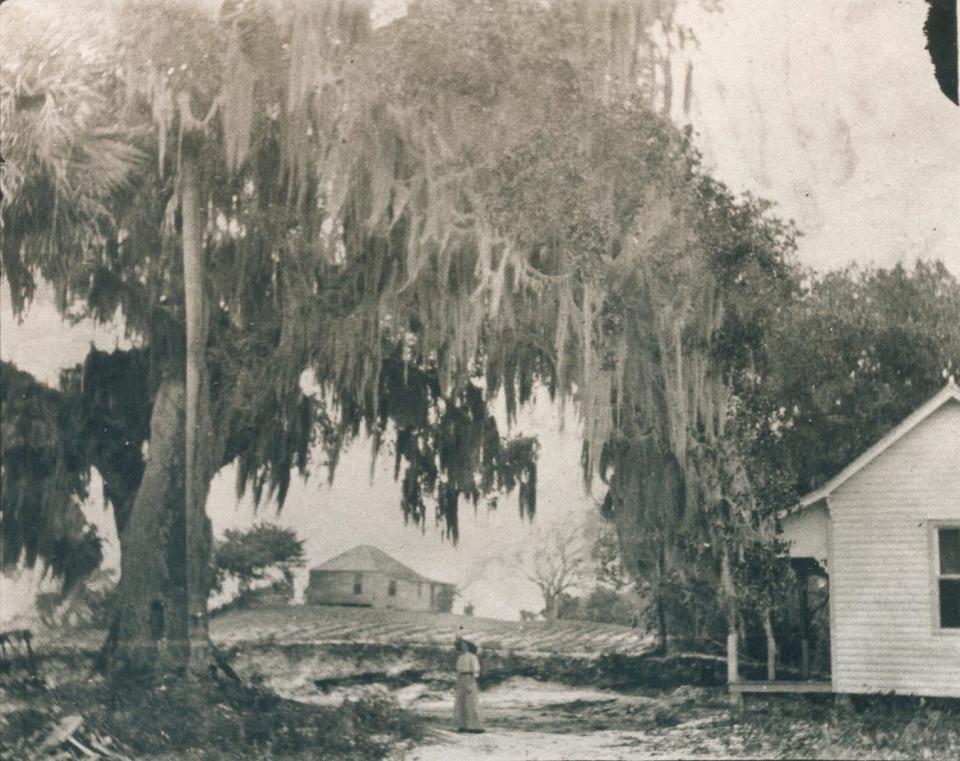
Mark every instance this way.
x=365 y=557
x=950 y=392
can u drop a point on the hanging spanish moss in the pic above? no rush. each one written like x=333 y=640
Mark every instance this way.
x=473 y=191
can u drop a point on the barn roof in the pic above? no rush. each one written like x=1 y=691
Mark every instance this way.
x=950 y=392
x=365 y=557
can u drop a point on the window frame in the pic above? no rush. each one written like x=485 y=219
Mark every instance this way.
x=391 y=588
x=358 y=583
x=936 y=576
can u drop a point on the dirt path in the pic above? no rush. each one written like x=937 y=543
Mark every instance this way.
x=507 y=745
x=602 y=745
x=543 y=722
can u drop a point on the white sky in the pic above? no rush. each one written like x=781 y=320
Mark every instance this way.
x=829 y=108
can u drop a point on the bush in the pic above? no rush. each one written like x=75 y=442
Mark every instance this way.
x=382 y=710
x=219 y=722
x=665 y=716
x=603 y=605
x=444 y=599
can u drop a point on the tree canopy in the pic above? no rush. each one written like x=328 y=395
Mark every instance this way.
x=859 y=351
x=361 y=191
x=472 y=200
x=467 y=201
x=44 y=482
x=249 y=555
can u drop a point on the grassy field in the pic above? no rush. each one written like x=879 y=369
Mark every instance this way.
x=313 y=624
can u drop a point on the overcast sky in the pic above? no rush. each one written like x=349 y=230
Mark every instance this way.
x=829 y=109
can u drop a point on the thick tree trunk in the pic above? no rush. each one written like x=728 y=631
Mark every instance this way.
x=550 y=609
x=160 y=620
x=150 y=628
x=149 y=623
x=662 y=642
x=661 y=606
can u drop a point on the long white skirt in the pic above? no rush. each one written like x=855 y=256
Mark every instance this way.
x=466 y=707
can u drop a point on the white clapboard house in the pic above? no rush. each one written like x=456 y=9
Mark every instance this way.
x=886 y=530
x=368 y=577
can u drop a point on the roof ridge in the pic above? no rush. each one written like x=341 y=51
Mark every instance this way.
x=950 y=391
x=381 y=560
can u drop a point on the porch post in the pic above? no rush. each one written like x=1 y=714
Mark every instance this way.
x=733 y=668
x=771 y=646
x=733 y=634
x=804 y=627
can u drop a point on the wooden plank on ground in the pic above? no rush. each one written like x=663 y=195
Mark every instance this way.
x=781 y=687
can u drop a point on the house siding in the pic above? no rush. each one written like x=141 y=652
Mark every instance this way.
x=336 y=588
x=885 y=632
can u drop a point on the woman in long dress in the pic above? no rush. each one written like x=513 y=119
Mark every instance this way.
x=466 y=708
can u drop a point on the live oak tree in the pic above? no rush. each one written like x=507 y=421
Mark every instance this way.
x=252 y=207
x=471 y=200
x=661 y=290
x=240 y=253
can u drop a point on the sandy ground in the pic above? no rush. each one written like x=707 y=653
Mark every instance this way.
x=541 y=746
x=527 y=720
x=536 y=721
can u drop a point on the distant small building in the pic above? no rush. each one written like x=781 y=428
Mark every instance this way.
x=369 y=577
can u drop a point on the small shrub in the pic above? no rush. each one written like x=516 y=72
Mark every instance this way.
x=444 y=599
x=21 y=725
x=686 y=695
x=382 y=711
x=665 y=716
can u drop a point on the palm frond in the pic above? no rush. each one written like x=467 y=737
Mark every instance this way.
x=66 y=156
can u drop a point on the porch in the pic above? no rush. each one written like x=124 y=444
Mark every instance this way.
x=791 y=665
